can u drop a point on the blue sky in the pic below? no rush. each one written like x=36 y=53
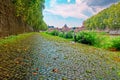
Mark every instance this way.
x=72 y=12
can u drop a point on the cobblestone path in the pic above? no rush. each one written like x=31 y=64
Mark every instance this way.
x=52 y=60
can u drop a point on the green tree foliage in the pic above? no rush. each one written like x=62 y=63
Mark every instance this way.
x=108 y=18
x=31 y=12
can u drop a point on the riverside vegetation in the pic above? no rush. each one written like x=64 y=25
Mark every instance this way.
x=101 y=40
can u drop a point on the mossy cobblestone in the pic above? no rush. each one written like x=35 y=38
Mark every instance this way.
x=37 y=58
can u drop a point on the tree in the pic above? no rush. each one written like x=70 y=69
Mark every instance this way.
x=31 y=12
x=109 y=18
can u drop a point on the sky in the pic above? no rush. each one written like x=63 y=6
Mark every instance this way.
x=72 y=12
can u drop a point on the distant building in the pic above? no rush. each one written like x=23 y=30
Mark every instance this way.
x=51 y=27
x=65 y=28
x=77 y=29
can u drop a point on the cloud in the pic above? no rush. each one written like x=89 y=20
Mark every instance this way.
x=52 y=3
x=77 y=10
x=69 y=10
x=100 y=2
x=98 y=5
x=68 y=1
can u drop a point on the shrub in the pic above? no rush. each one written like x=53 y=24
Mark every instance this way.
x=104 y=42
x=68 y=35
x=61 y=34
x=116 y=43
x=90 y=38
x=54 y=32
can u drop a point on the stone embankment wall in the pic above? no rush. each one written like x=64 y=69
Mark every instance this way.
x=9 y=23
